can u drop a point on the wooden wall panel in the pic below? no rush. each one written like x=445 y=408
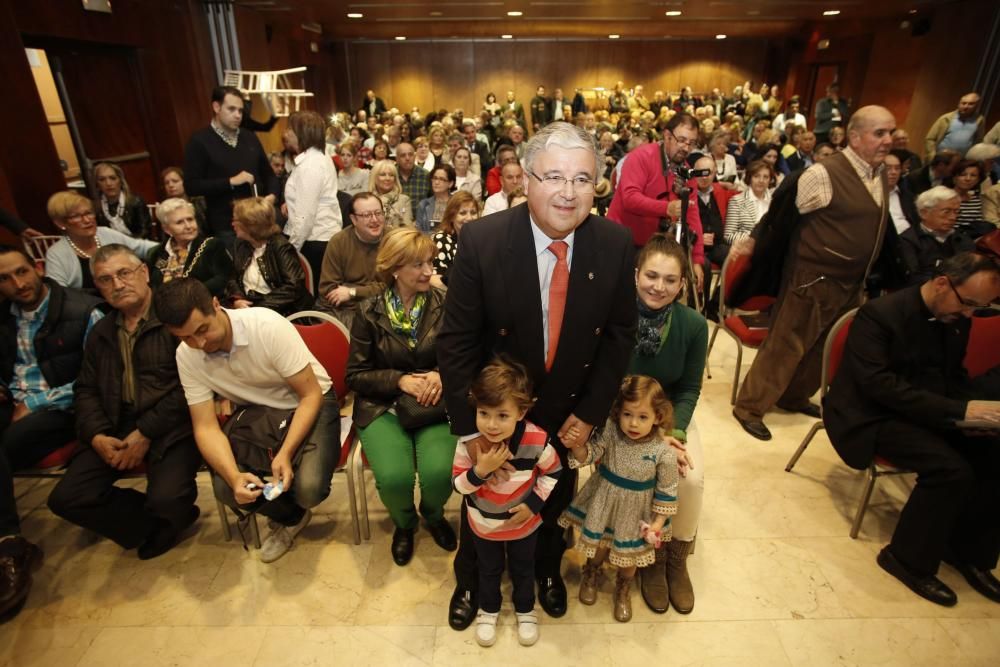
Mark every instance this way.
x=454 y=78
x=494 y=71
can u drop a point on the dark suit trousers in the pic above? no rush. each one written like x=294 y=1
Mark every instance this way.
x=954 y=510
x=88 y=497
x=23 y=444
x=787 y=369
x=551 y=536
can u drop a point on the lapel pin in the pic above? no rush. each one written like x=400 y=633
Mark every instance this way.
x=590 y=276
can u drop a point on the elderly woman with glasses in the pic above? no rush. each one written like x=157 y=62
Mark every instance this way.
x=67 y=261
x=936 y=238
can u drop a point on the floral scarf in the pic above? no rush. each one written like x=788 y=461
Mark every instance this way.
x=403 y=322
x=648 y=337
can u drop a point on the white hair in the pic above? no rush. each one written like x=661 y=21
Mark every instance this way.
x=169 y=206
x=561 y=135
x=929 y=199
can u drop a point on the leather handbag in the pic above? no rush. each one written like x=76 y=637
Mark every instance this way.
x=412 y=415
x=256 y=433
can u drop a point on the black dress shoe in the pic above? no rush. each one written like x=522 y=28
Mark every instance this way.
x=928 y=587
x=443 y=534
x=402 y=546
x=552 y=596
x=807 y=409
x=18 y=558
x=754 y=428
x=982 y=580
x=462 y=609
x=165 y=536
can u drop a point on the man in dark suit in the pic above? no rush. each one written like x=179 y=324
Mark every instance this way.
x=476 y=146
x=500 y=301
x=897 y=394
x=805 y=142
x=933 y=173
x=831 y=111
x=541 y=112
x=934 y=237
x=372 y=105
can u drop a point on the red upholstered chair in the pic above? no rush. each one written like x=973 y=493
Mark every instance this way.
x=53 y=464
x=733 y=320
x=307 y=269
x=833 y=352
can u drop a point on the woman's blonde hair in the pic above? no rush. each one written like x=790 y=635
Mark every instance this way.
x=257 y=215
x=403 y=245
x=118 y=172
x=377 y=169
x=62 y=205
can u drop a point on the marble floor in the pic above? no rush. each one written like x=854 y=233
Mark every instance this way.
x=778 y=582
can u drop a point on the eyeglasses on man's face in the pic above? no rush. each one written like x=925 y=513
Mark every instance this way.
x=371 y=215
x=123 y=275
x=580 y=184
x=966 y=303
x=687 y=143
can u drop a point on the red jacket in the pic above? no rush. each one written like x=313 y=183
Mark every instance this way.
x=493 y=184
x=635 y=204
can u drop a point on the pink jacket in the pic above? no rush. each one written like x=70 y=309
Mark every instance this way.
x=635 y=204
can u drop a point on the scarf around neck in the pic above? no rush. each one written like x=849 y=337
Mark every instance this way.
x=648 y=337
x=403 y=322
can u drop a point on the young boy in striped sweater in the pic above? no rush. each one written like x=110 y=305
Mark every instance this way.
x=504 y=513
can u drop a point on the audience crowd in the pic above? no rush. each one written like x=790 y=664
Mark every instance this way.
x=489 y=357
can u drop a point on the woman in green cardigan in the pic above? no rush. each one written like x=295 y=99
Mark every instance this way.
x=186 y=252
x=670 y=346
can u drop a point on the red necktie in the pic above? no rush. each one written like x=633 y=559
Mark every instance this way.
x=557 y=298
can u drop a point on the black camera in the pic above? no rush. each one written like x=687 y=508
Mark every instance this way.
x=686 y=173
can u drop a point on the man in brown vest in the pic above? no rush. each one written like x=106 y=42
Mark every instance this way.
x=844 y=205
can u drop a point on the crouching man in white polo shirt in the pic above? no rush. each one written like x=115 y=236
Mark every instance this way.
x=256 y=359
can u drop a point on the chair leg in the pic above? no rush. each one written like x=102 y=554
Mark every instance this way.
x=227 y=530
x=708 y=353
x=358 y=472
x=254 y=530
x=352 y=498
x=802 y=447
x=863 y=506
x=739 y=367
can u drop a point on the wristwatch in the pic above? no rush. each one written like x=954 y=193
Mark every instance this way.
x=353 y=292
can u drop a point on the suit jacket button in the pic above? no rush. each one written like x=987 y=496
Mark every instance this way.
x=502 y=332
x=597 y=331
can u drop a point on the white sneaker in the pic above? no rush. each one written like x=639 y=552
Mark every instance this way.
x=527 y=628
x=486 y=628
x=280 y=540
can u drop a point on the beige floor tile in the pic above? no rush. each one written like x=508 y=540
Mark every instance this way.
x=704 y=644
x=883 y=642
x=168 y=646
x=362 y=646
x=558 y=644
x=61 y=646
x=978 y=640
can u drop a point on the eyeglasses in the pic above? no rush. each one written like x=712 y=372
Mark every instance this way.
x=78 y=217
x=365 y=217
x=689 y=143
x=580 y=184
x=951 y=212
x=123 y=275
x=961 y=299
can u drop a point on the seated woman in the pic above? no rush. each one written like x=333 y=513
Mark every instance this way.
x=380 y=150
x=608 y=152
x=771 y=154
x=437 y=145
x=67 y=261
x=352 y=178
x=465 y=179
x=187 y=252
x=384 y=184
x=431 y=210
x=398 y=409
x=670 y=346
x=937 y=237
x=173 y=186
x=422 y=153
x=965 y=178
x=117 y=207
x=746 y=210
x=725 y=164
x=267 y=268
x=462 y=208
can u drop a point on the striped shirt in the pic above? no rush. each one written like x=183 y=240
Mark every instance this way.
x=28 y=385
x=489 y=501
x=815 y=191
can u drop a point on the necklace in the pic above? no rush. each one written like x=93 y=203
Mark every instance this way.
x=77 y=249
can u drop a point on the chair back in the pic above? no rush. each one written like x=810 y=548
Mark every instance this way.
x=733 y=271
x=37 y=246
x=329 y=341
x=833 y=348
x=307 y=269
x=983 y=350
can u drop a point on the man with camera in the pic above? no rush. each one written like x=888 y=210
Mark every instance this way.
x=649 y=191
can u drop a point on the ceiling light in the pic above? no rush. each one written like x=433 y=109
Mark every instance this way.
x=437 y=13
x=913 y=11
x=831 y=12
x=753 y=12
x=717 y=37
x=673 y=12
x=506 y=36
x=400 y=38
x=355 y=16
x=515 y=13
x=613 y=36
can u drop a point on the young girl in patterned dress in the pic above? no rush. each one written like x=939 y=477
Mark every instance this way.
x=625 y=507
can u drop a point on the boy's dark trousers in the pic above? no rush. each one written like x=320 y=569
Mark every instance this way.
x=490 y=556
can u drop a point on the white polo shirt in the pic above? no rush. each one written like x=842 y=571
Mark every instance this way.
x=266 y=350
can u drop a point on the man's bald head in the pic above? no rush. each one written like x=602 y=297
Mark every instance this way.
x=869 y=133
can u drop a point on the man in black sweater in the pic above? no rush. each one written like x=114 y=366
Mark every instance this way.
x=222 y=163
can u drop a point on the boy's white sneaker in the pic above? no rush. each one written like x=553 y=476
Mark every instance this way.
x=527 y=628
x=486 y=628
